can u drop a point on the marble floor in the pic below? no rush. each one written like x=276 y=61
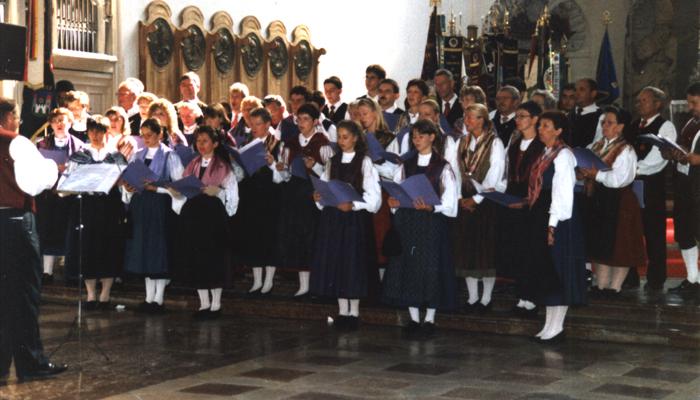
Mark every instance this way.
x=173 y=357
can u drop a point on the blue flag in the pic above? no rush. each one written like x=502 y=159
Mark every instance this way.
x=605 y=75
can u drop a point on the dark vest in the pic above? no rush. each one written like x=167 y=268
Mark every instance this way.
x=433 y=171
x=350 y=172
x=687 y=135
x=520 y=164
x=503 y=130
x=313 y=149
x=583 y=128
x=10 y=193
x=338 y=114
x=643 y=149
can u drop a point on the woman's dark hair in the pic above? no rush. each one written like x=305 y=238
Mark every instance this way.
x=531 y=107
x=621 y=115
x=153 y=125
x=217 y=110
x=97 y=123
x=421 y=85
x=309 y=109
x=559 y=119
x=220 y=150
x=425 y=127
x=356 y=130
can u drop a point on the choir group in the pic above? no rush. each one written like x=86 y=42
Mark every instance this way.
x=531 y=191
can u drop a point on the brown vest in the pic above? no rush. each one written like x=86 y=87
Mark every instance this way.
x=10 y=194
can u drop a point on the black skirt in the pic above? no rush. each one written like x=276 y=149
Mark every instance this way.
x=255 y=222
x=344 y=255
x=103 y=235
x=203 y=242
x=423 y=274
x=298 y=222
x=52 y=222
x=474 y=241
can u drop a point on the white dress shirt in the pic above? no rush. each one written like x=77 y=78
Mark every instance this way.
x=562 y=187
x=623 y=170
x=653 y=162
x=33 y=172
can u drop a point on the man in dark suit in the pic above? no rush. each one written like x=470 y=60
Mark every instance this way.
x=507 y=101
x=388 y=94
x=374 y=74
x=585 y=119
x=127 y=93
x=334 y=109
x=448 y=99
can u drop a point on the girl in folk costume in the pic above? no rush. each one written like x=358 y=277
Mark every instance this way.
x=52 y=209
x=372 y=121
x=512 y=230
x=614 y=233
x=258 y=211
x=102 y=220
x=204 y=221
x=149 y=249
x=298 y=218
x=479 y=159
x=423 y=275
x=119 y=133
x=555 y=238
x=78 y=103
x=164 y=111
x=344 y=258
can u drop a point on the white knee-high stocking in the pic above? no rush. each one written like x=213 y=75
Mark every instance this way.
x=489 y=283
x=549 y=313
x=690 y=258
x=414 y=313
x=269 y=279
x=150 y=290
x=216 y=299
x=204 y=303
x=303 y=283
x=355 y=307
x=257 y=279
x=160 y=290
x=472 y=289
x=430 y=315
x=48 y=264
x=343 y=307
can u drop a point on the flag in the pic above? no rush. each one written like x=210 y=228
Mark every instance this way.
x=605 y=74
x=430 y=57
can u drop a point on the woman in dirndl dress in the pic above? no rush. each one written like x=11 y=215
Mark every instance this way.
x=479 y=159
x=344 y=259
x=152 y=213
x=52 y=209
x=204 y=221
x=614 y=232
x=422 y=275
x=556 y=253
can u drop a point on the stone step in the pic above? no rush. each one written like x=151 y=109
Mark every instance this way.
x=621 y=321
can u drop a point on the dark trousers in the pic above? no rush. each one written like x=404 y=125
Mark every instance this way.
x=683 y=217
x=654 y=221
x=20 y=285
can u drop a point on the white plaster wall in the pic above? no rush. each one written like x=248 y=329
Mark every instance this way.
x=354 y=33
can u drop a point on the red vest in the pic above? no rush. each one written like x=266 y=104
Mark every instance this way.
x=10 y=194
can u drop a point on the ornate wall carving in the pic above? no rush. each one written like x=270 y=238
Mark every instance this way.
x=268 y=64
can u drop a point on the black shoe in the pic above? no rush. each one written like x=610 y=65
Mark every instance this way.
x=201 y=315
x=411 y=329
x=596 y=293
x=631 y=281
x=352 y=323
x=554 y=340
x=43 y=371
x=104 y=306
x=471 y=308
x=610 y=294
x=483 y=309
x=145 y=307
x=214 y=314
x=157 y=308
x=685 y=288
x=91 y=305
x=254 y=294
x=653 y=287
x=340 y=322
x=302 y=297
x=46 y=279
x=428 y=329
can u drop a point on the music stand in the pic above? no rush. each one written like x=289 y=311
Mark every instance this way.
x=85 y=179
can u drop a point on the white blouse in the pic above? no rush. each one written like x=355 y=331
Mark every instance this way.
x=372 y=195
x=229 y=190
x=387 y=169
x=623 y=169
x=562 y=186
x=448 y=197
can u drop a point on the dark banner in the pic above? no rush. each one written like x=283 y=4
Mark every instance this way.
x=452 y=56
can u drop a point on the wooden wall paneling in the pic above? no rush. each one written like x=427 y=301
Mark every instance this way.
x=303 y=68
x=277 y=60
x=159 y=51
x=191 y=40
x=222 y=62
x=251 y=56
